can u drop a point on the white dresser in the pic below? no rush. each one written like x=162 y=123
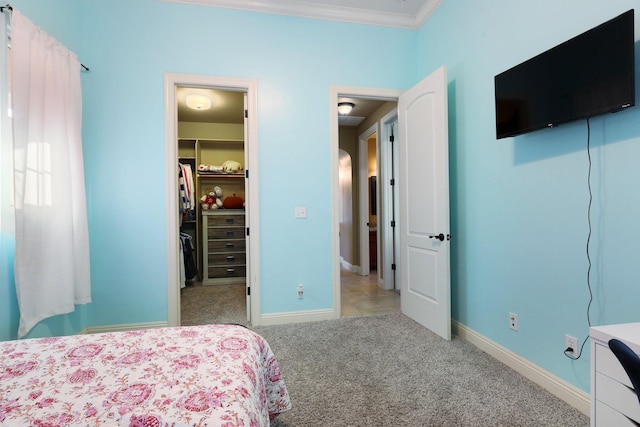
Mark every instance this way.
x=613 y=400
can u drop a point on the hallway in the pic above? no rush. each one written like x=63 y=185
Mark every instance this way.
x=361 y=296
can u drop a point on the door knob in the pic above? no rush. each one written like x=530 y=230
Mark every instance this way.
x=440 y=237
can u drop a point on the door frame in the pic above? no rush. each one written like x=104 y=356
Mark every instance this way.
x=250 y=87
x=388 y=203
x=335 y=93
x=363 y=198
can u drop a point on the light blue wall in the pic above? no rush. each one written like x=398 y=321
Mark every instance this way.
x=519 y=205
x=129 y=46
x=294 y=61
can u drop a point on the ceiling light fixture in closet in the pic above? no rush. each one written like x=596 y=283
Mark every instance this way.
x=345 y=107
x=198 y=102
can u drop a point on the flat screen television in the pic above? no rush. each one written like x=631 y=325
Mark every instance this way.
x=588 y=75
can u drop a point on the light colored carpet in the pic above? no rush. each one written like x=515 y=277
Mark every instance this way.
x=203 y=305
x=387 y=370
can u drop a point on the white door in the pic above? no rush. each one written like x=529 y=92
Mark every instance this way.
x=423 y=177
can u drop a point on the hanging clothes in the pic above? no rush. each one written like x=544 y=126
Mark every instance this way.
x=185 y=203
x=189 y=185
x=186 y=197
x=183 y=278
x=188 y=257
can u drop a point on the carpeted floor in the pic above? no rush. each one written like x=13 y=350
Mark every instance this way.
x=387 y=370
x=202 y=305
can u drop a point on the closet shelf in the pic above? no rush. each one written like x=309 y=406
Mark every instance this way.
x=220 y=175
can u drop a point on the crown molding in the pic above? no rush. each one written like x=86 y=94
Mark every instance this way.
x=329 y=12
x=425 y=12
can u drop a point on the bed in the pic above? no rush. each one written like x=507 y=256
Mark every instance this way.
x=209 y=375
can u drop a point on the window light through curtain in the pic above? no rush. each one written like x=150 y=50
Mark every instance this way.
x=7 y=221
x=51 y=266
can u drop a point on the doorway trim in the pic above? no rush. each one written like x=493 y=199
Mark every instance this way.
x=388 y=162
x=336 y=92
x=363 y=198
x=250 y=87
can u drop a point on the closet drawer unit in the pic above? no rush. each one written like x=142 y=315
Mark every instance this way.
x=229 y=258
x=224 y=247
x=226 y=233
x=225 y=220
x=224 y=272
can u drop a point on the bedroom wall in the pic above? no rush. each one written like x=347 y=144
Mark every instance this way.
x=129 y=46
x=519 y=205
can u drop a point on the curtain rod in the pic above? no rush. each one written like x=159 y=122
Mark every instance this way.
x=10 y=8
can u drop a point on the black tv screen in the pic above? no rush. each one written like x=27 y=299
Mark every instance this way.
x=588 y=75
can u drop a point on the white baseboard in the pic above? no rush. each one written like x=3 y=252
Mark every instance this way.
x=574 y=396
x=124 y=327
x=297 y=317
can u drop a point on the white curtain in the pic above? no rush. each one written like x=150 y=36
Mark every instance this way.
x=7 y=219
x=52 y=242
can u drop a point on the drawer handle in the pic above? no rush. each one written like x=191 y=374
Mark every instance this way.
x=230 y=233
x=231 y=270
x=229 y=245
x=229 y=220
x=230 y=258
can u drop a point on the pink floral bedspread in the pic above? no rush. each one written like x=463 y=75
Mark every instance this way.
x=210 y=375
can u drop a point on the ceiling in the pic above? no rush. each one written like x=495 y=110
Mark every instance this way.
x=228 y=106
x=391 y=13
x=363 y=108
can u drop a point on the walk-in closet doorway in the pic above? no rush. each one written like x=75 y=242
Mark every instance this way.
x=211 y=208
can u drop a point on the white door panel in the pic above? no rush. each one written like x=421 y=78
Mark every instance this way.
x=424 y=204
x=420 y=264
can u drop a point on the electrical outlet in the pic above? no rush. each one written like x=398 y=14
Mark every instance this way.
x=513 y=321
x=571 y=345
x=300 y=291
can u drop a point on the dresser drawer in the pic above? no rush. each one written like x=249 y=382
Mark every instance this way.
x=225 y=220
x=607 y=416
x=230 y=258
x=226 y=233
x=235 y=271
x=613 y=400
x=226 y=245
x=609 y=365
x=618 y=396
